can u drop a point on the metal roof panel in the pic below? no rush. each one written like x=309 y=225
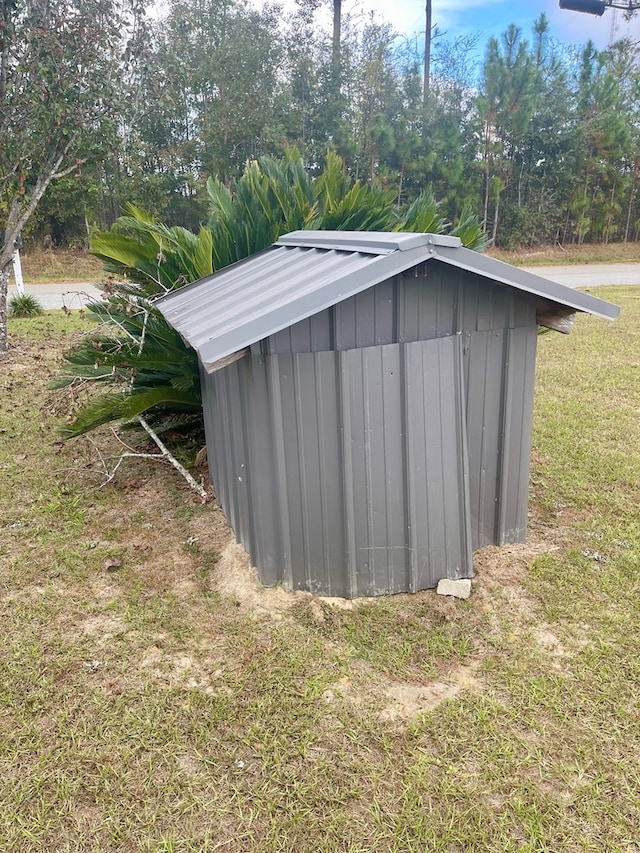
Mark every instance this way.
x=526 y=281
x=376 y=242
x=308 y=271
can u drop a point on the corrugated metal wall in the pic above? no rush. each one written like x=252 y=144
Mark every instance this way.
x=379 y=466
x=448 y=301
x=354 y=463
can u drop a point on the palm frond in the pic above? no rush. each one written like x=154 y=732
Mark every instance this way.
x=117 y=407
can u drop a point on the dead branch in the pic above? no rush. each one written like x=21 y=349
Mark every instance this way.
x=170 y=458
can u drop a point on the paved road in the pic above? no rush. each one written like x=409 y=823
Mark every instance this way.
x=77 y=294
x=591 y=275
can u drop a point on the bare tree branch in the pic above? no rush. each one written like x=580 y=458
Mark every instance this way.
x=170 y=458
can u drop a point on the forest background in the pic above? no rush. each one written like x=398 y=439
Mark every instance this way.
x=540 y=139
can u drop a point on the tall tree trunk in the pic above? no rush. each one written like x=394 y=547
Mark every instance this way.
x=335 y=95
x=632 y=194
x=426 y=74
x=337 y=25
x=494 y=233
x=6 y=260
x=401 y=181
x=427 y=55
x=485 y=216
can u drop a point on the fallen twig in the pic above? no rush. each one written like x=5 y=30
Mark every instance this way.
x=170 y=458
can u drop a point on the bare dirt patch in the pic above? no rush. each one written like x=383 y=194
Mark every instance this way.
x=400 y=702
x=102 y=627
x=237 y=580
x=407 y=700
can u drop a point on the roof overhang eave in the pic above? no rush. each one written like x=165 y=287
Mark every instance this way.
x=550 y=291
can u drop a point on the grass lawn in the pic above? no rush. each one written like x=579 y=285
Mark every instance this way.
x=154 y=698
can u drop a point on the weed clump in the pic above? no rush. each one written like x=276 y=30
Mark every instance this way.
x=25 y=305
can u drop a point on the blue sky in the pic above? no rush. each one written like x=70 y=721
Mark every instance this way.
x=466 y=17
x=457 y=17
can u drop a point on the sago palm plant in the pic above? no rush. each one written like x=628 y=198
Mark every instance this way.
x=144 y=363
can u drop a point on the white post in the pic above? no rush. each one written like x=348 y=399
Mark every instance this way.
x=17 y=273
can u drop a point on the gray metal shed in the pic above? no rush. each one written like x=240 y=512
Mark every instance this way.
x=368 y=401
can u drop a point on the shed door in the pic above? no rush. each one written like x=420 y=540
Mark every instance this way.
x=406 y=486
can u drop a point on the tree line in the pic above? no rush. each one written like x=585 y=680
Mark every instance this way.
x=539 y=139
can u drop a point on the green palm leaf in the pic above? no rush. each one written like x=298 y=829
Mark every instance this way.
x=115 y=407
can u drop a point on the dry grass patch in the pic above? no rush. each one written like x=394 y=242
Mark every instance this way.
x=41 y=266
x=596 y=253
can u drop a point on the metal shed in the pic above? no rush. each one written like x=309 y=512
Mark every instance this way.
x=368 y=402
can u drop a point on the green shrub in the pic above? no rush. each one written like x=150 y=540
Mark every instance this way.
x=25 y=305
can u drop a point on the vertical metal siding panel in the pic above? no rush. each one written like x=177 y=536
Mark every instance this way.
x=207 y=384
x=237 y=452
x=236 y=483
x=308 y=465
x=348 y=487
x=268 y=551
x=486 y=309
x=524 y=310
x=222 y=454
x=447 y=304
x=436 y=461
x=384 y=467
x=385 y=314
x=278 y=342
x=438 y=310
x=277 y=416
x=468 y=306
x=423 y=568
x=453 y=445
x=344 y=324
x=375 y=468
x=316 y=416
x=501 y=306
x=353 y=407
x=249 y=508
x=365 y=316
x=428 y=307
x=300 y=334
x=517 y=419
x=367 y=319
x=292 y=497
x=428 y=422
x=330 y=482
x=493 y=305
x=318 y=458
x=428 y=295
x=221 y=461
x=408 y=302
x=483 y=377
x=530 y=345
x=311 y=478
x=393 y=473
x=310 y=335
x=320 y=331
